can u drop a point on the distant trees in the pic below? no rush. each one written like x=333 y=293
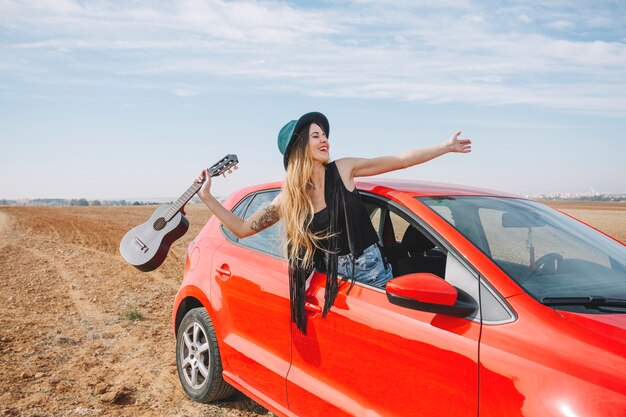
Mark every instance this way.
x=117 y=203
x=73 y=202
x=79 y=202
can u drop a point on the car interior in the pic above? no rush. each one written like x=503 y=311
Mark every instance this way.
x=408 y=249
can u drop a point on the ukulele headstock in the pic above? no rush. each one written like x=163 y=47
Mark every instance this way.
x=226 y=164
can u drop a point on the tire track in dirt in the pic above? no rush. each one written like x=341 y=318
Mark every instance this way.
x=156 y=275
x=86 y=309
x=54 y=228
x=95 y=317
x=5 y=222
x=92 y=317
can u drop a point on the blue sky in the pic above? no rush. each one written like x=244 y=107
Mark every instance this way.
x=130 y=99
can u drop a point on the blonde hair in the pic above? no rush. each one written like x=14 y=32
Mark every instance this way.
x=296 y=206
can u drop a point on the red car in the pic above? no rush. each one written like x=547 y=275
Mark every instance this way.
x=499 y=306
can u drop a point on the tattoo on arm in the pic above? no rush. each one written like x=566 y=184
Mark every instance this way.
x=267 y=219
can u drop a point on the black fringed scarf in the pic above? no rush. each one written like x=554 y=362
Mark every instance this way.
x=335 y=195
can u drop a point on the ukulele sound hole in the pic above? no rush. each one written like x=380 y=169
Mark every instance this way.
x=159 y=223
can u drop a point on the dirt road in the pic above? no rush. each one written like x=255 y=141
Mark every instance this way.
x=68 y=345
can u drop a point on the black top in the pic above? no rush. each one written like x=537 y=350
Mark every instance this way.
x=350 y=230
x=363 y=232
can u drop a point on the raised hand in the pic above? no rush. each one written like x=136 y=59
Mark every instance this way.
x=454 y=144
x=205 y=190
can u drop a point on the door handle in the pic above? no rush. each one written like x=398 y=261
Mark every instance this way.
x=314 y=308
x=223 y=270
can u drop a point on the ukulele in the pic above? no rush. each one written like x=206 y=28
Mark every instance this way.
x=146 y=246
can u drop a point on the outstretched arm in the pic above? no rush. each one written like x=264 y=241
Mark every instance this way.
x=363 y=167
x=260 y=220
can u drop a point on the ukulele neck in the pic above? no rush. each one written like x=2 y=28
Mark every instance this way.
x=219 y=168
x=177 y=205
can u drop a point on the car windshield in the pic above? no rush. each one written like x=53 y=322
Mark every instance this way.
x=545 y=251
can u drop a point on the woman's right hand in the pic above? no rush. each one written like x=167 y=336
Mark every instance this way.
x=205 y=190
x=454 y=144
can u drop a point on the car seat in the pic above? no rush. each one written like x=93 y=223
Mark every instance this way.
x=420 y=255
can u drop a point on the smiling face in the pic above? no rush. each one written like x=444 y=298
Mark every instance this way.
x=319 y=147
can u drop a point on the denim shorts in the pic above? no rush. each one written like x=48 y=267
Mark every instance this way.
x=369 y=268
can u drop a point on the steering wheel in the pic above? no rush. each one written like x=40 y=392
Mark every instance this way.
x=549 y=263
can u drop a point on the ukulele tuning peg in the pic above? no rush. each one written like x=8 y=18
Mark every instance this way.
x=236 y=167
x=230 y=171
x=224 y=174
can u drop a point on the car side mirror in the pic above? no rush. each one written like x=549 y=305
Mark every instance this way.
x=428 y=292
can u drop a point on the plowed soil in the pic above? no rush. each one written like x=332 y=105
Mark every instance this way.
x=607 y=216
x=70 y=343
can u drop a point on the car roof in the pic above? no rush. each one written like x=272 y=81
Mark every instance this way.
x=426 y=188
x=415 y=188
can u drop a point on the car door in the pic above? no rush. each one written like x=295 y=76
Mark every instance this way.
x=371 y=358
x=251 y=299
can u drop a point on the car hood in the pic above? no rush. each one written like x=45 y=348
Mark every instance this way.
x=612 y=326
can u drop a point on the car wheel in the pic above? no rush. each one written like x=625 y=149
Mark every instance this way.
x=198 y=358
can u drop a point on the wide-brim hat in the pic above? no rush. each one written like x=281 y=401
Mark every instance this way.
x=286 y=136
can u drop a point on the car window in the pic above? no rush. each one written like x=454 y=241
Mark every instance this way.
x=260 y=200
x=239 y=210
x=268 y=240
x=515 y=245
x=444 y=212
x=400 y=225
x=546 y=252
x=406 y=246
x=379 y=216
x=418 y=252
x=375 y=214
x=459 y=276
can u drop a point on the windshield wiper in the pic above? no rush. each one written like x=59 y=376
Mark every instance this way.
x=591 y=301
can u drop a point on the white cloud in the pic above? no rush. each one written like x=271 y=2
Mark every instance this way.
x=560 y=25
x=185 y=92
x=475 y=18
x=405 y=51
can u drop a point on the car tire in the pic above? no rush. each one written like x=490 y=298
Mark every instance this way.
x=198 y=359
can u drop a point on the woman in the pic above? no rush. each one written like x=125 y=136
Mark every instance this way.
x=326 y=224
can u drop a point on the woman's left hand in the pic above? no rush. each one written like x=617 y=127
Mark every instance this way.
x=454 y=144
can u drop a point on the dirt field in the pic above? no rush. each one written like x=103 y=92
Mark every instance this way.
x=67 y=344
x=608 y=216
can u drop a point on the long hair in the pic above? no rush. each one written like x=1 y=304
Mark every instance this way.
x=296 y=206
